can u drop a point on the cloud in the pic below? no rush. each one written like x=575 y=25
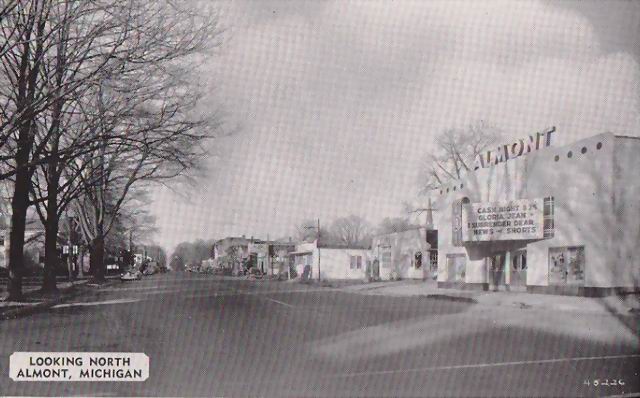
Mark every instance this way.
x=338 y=101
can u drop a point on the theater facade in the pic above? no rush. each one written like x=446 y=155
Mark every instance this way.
x=544 y=219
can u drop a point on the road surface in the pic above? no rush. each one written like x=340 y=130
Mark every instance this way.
x=209 y=336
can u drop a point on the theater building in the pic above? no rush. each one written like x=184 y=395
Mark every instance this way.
x=544 y=219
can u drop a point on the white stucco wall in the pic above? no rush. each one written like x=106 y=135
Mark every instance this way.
x=582 y=187
x=626 y=202
x=336 y=263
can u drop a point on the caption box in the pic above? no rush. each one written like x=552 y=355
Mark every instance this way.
x=78 y=366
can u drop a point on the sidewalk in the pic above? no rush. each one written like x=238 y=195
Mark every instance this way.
x=35 y=301
x=622 y=305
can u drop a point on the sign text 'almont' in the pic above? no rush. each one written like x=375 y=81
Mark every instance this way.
x=514 y=150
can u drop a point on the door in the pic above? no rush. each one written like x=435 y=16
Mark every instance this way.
x=456 y=267
x=518 y=269
x=495 y=267
x=375 y=270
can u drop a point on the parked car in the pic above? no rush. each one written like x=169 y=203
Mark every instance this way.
x=113 y=268
x=131 y=275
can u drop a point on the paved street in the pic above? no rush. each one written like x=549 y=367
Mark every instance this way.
x=209 y=336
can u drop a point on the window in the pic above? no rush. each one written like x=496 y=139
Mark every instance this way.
x=359 y=265
x=584 y=150
x=456 y=220
x=356 y=262
x=548 y=225
x=556 y=158
x=519 y=261
x=304 y=259
x=385 y=260
x=599 y=146
x=456 y=267
x=570 y=154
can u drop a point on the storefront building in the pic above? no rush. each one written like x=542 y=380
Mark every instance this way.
x=544 y=219
x=400 y=255
x=327 y=261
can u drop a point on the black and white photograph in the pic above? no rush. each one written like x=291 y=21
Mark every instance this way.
x=320 y=198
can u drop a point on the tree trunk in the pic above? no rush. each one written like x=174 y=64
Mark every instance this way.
x=96 y=259
x=50 y=251
x=27 y=79
x=19 y=206
x=52 y=222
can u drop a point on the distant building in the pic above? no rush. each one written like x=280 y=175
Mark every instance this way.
x=556 y=220
x=223 y=246
x=34 y=242
x=272 y=257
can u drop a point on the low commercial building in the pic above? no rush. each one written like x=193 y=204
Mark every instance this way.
x=400 y=255
x=546 y=219
x=279 y=258
x=328 y=261
x=270 y=257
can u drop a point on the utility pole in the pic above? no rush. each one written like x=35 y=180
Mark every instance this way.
x=429 y=226
x=70 y=245
x=317 y=228
x=318 y=245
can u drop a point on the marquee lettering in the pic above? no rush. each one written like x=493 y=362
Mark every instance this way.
x=514 y=150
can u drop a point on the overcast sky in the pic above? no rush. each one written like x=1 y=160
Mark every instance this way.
x=339 y=100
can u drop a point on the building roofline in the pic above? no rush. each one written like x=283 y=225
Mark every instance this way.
x=353 y=247
x=626 y=136
x=467 y=175
x=404 y=230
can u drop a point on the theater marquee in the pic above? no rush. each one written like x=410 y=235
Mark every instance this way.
x=515 y=220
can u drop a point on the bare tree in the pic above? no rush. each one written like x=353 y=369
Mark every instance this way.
x=21 y=64
x=453 y=154
x=394 y=224
x=51 y=51
x=150 y=131
x=307 y=231
x=117 y=68
x=352 y=230
x=6 y=8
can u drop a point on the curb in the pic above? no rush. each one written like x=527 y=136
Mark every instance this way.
x=27 y=310
x=446 y=297
x=517 y=304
